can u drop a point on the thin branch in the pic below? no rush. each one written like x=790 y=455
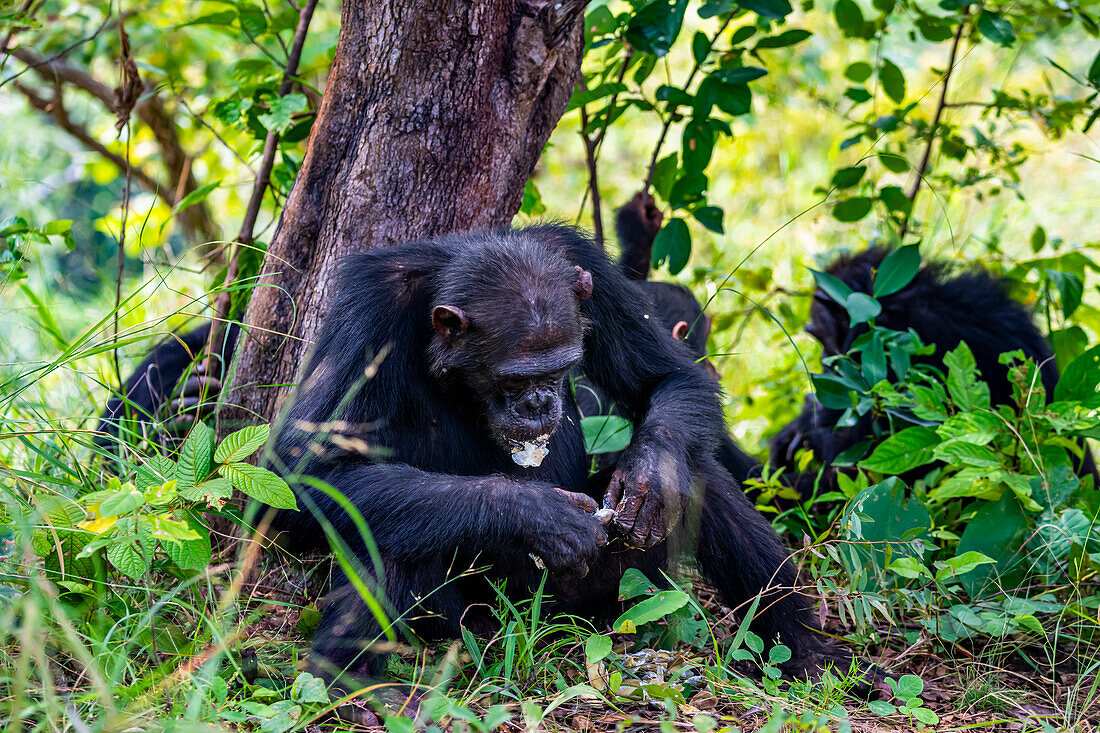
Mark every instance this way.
x=245 y=236
x=593 y=182
x=668 y=122
x=923 y=167
x=65 y=51
x=55 y=109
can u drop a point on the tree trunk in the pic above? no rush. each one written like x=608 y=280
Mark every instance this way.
x=433 y=118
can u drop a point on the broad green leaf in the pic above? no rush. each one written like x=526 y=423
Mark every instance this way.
x=903 y=451
x=1094 y=71
x=252 y=19
x=194 y=464
x=653 y=608
x=963 y=381
x=979 y=428
x=893 y=81
x=125 y=501
x=967 y=454
x=1070 y=289
x=223 y=18
x=58 y=227
x=774 y=9
x=606 y=433
x=261 y=484
x=784 y=39
x=672 y=245
x=895 y=199
x=962 y=564
x=996 y=28
x=873 y=360
x=779 y=654
x=1080 y=380
x=879 y=707
x=309 y=689
x=909 y=686
x=127 y=559
x=154 y=472
x=213 y=491
x=861 y=308
x=597 y=647
x=832 y=286
x=853 y=209
x=710 y=217
x=934 y=29
x=1056 y=488
x=634 y=583
x=740 y=75
x=997 y=530
x=859 y=71
x=241 y=444
x=848 y=177
x=909 y=567
x=697 y=145
x=280 y=112
x=655 y=26
x=733 y=99
x=893 y=163
x=897 y=270
x=849 y=18
x=190 y=554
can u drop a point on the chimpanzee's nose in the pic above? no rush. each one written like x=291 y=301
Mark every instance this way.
x=534 y=404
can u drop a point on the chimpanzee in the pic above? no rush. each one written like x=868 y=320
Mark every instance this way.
x=944 y=308
x=434 y=402
x=156 y=392
x=637 y=223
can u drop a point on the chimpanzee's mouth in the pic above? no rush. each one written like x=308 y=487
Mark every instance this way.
x=530 y=453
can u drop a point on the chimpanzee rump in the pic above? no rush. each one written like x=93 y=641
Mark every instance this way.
x=944 y=308
x=436 y=359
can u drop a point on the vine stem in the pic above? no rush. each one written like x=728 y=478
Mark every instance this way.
x=245 y=236
x=926 y=157
x=668 y=122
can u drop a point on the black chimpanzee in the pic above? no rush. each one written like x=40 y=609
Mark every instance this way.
x=944 y=308
x=157 y=391
x=434 y=401
x=637 y=223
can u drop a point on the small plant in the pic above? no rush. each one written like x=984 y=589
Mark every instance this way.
x=907 y=690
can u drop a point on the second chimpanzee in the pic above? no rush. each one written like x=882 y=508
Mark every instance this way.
x=434 y=402
x=944 y=308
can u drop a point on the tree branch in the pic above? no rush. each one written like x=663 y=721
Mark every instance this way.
x=923 y=167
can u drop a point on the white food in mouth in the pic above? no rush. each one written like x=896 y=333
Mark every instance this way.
x=605 y=515
x=531 y=453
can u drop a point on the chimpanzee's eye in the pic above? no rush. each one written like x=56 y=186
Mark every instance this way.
x=512 y=385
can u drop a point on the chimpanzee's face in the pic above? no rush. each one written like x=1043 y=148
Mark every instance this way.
x=514 y=352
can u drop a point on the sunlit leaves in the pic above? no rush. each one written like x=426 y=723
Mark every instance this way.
x=893 y=81
x=672 y=246
x=897 y=270
x=853 y=209
x=996 y=28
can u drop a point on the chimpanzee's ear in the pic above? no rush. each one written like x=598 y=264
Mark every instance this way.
x=583 y=287
x=680 y=330
x=449 y=322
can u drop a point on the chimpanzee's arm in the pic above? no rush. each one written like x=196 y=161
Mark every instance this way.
x=415 y=514
x=636 y=224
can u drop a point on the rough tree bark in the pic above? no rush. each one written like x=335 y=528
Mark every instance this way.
x=433 y=118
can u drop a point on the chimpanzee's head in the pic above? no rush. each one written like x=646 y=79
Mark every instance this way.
x=508 y=324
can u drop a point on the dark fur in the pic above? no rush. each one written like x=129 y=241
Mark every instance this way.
x=440 y=494
x=945 y=308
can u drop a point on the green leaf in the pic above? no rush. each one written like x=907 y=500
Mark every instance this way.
x=893 y=163
x=224 y=18
x=606 y=433
x=784 y=39
x=1093 y=74
x=199 y=194
x=127 y=559
x=654 y=608
x=849 y=18
x=909 y=567
x=280 y=113
x=934 y=29
x=740 y=75
x=997 y=530
x=853 y=209
x=697 y=145
x=774 y=9
x=873 y=360
x=664 y=175
x=672 y=245
x=241 y=444
x=194 y=465
x=190 y=554
x=733 y=99
x=848 y=177
x=212 y=491
x=893 y=81
x=58 y=227
x=895 y=199
x=963 y=382
x=710 y=217
x=967 y=454
x=261 y=484
x=962 y=564
x=309 y=689
x=654 y=28
x=897 y=270
x=634 y=583
x=154 y=472
x=779 y=654
x=597 y=647
x=700 y=47
x=253 y=20
x=909 y=686
x=996 y=28
x=687 y=190
x=832 y=286
x=121 y=502
x=1070 y=288
x=861 y=307
x=878 y=707
x=859 y=71
x=903 y=451
x=1080 y=379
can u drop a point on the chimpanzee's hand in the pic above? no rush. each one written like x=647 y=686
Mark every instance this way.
x=647 y=491
x=565 y=535
x=196 y=400
x=643 y=208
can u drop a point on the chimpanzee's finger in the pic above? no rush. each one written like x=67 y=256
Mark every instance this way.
x=200 y=385
x=584 y=502
x=634 y=498
x=614 y=491
x=644 y=523
x=190 y=405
